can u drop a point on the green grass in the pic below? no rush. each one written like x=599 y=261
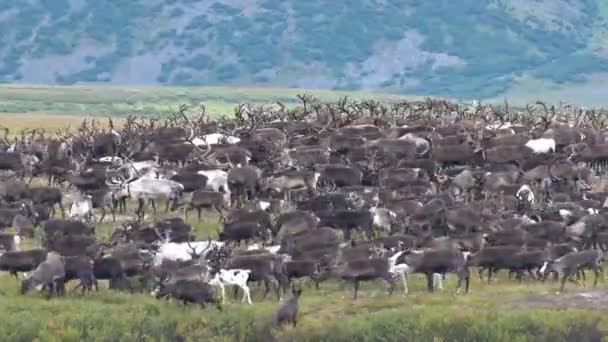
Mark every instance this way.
x=153 y=100
x=487 y=313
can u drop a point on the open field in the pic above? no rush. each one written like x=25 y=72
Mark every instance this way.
x=501 y=311
x=16 y=122
x=151 y=100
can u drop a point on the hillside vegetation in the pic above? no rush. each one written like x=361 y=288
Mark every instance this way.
x=468 y=48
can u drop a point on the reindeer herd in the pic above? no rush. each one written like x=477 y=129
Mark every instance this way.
x=354 y=191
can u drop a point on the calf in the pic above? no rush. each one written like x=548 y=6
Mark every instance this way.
x=236 y=277
x=399 y=265
x=288 y=311
x=264 y=267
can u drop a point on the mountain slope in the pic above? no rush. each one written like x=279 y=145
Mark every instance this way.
x=465 y=48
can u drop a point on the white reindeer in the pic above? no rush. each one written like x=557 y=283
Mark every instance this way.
x=238 y=277
x=214 y=138
x=82 y=208
x=383 y=217
x=183 y=251
x=272 y=249
x=542 y=145
x=525 y=193
x=112 y=159
x=147 y=190
x=217 y=180
x=404 y=269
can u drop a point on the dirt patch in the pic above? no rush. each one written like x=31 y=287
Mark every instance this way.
x=595 y=300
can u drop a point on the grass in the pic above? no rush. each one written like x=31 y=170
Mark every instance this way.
x=528 y=90
x=110 y=315
x=17 y=122
x=488 y=313
x=153 y=100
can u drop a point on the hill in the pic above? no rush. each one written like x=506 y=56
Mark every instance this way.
x=467 y=48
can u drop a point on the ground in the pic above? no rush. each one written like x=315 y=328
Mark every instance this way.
x=501 y=311
x=331 y=304
x=596 y=300
x=120 y=101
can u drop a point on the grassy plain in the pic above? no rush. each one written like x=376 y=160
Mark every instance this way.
x=502 y=311
x=153 y=100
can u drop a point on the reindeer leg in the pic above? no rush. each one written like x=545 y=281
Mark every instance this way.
x=438 y=281
x=140 y=208
x=218 y=210
x=490 y=271
x=247 y=294
x=223 y=291
x=464 y=274
x=388 y=279
x=356 y=288
x=186 y=211
x=235 y=292
x=103 y=215
x=564 y=278
x=429 y=282
x=519 y=276
x=266 y=288
x=404 y=281
x=153 y=205
x=277 y=287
